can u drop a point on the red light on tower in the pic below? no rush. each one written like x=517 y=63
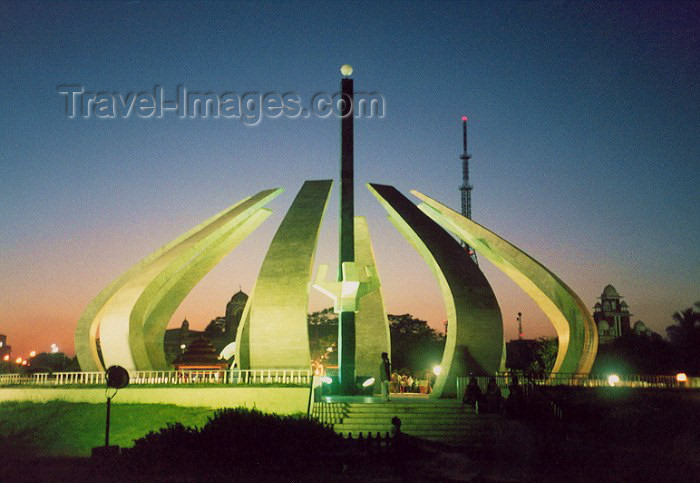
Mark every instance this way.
x=464 y=118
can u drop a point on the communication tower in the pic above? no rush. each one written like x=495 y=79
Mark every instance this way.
x=466 y=188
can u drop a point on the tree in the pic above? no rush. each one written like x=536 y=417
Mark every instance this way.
x=684 y=335
x=546 y=353
x=53 y=362
x=635 y=354
x=415 y=346
x=685 y=332
x=216 y=328
x=323 y=334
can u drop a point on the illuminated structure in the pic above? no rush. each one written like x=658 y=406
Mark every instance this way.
x=578 y=337
x=273 y=332
x=132 y=313
x=475 y=341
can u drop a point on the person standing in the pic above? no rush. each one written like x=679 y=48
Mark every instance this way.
x=385 y=375
x=493 y=397
x=472 y=395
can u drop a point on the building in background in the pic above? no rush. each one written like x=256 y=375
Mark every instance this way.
x=220 y=332
x=612 y=316
x=200 y=355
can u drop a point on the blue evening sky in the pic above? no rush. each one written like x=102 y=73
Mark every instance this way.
x=584 y=130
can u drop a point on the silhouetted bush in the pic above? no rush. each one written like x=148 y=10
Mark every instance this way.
x=237 y=437
x=172 y=446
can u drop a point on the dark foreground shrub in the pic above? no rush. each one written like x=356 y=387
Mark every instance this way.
x=174 y=445
x=239 y=437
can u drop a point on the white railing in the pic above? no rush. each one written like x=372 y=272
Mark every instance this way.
x=223 y=377
x=6 y=379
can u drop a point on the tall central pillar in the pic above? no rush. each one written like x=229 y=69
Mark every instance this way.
x=346 y=319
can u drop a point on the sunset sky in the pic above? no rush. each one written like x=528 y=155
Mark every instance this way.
x=584 y=130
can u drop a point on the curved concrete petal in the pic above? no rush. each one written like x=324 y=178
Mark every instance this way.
x=372 y=335
x=110 y=311
x=154 y=309
x=475 y=331
x=578 y=337
x=277 y=325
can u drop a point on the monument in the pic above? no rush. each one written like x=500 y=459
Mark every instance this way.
x=131 y=314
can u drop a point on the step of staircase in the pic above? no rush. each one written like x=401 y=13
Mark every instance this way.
x=448 y=422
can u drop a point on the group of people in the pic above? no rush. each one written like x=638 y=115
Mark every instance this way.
x=402 y=382
x=491 y=400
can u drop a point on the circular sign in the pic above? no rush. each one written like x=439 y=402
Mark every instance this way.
x=117 y=377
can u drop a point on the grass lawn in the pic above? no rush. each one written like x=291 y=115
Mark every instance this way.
x=59 y=428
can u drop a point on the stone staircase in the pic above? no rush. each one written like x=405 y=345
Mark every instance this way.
x=445 y=421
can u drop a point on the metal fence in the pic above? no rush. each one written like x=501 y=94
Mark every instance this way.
x=223 y=377
x=505 y=379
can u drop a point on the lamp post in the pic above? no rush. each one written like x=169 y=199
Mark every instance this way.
x=117 y=378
